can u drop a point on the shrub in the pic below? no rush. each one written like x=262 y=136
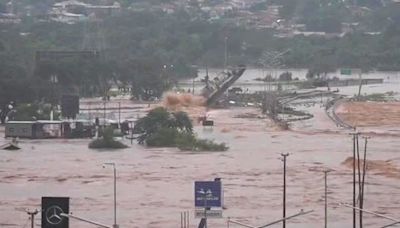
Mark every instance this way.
x=102 y=144
x=191 y=143
x=185 y=141
x=209 y=145
x=107 y=141
x=165 y=137
x=379 y=97
x=285 y=76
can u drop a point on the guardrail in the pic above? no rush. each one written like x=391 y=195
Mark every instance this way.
x=85 y=220
x=330 y=112
x=268 y=224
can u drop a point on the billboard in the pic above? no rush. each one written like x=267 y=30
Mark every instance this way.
x=69 y=106
x=345 y=71
x=208 y=194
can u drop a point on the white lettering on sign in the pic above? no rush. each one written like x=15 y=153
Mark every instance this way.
x=210 y=214
x=208 y=198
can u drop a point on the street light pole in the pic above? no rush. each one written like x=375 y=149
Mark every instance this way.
x=115 y=225
x=284 y=189
x=354 y=181
x=104 y=114
x=326 y=197
x=355 y=139
x=32 y=215
x=119 y=114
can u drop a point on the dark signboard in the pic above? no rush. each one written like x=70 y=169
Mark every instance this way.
x=208 y=194
x=52 y=207
x=69 y=106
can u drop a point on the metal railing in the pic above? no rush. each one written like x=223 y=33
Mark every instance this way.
x=395 y=220
x=85 y=220
x=185 y=219
x=268 y=224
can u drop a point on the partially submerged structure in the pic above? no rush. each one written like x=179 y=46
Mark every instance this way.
x=13 y=145
x=216 y=88
x=45 y=129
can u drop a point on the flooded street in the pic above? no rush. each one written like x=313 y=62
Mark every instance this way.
x=155 y=185
x=246 y=111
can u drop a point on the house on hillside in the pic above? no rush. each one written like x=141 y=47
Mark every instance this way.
x=9 y=18
x=73 y=11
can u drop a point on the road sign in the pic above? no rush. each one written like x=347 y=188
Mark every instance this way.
x=210 y=213
x=208 y=194
x=52 y=207
x=345 y=71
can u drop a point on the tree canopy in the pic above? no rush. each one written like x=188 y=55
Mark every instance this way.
x=160 y=120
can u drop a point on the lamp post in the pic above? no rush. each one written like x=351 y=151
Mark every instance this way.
x=284 y=189
x=32 y=215
x=115 y=225
x=165 y=72
x=326 y=196
x=54 y=81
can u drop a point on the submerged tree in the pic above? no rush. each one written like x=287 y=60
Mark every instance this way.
x=160 y=120
x=161 y=128
x=107 y=141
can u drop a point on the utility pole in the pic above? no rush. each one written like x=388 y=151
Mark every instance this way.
x=115 y=198
x=89 y=111
x=226 y=53
x=326 y=197
x=359 y=178
x=355 y=136
x=32 y=215
x=354 y=180
x=363 y=181
x=284 y=188
x=193 y=87
x=104 y=114
x=207 y=78
x=119 y=114
x=359 y=87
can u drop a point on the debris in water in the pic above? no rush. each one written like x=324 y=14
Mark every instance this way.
x=225 y=130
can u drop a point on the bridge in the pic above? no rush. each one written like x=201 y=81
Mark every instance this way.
x=224 y=85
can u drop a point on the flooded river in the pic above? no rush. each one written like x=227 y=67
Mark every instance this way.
x=155 y=185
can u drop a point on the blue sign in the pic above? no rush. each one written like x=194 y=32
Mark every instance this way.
x=208 y=194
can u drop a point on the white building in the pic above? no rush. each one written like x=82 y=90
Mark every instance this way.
x=65 y=11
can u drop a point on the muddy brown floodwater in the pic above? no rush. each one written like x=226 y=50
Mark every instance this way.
x=155 y=185
x=370 y=113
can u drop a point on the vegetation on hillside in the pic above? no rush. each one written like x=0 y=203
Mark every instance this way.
x=150 y=50
x=379 y=97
